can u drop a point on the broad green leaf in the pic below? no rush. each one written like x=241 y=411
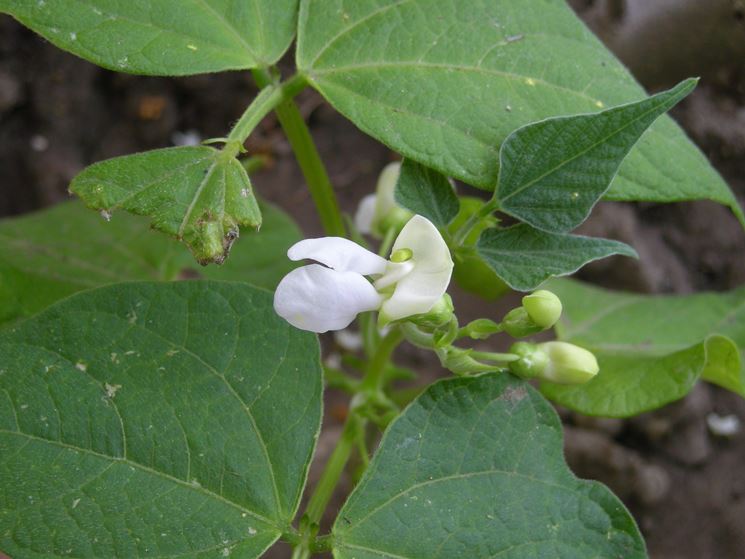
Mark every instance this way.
x=651 y=349
x=55 y=252
x=445 y=84
x=475 y=468
x=199 y=195
x=164 y=37
x=525 y=257
x=155 y=420
x=553 y=172
x=426 y=192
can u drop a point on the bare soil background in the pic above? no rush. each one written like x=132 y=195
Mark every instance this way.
x=685 y=486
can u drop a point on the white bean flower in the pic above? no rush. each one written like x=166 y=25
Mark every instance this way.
x=329 y=295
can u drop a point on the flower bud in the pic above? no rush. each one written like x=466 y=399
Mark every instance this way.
x=379 y=212
x=543 y=307
x=439 y=315
x=558 y=362
x=482 y=328
x=518 y=324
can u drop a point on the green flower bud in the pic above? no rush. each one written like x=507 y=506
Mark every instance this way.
x=518 y=324
x=558 y=362
x=532 y=360
x=439 y=315
x=482 y=328
x=543 y=307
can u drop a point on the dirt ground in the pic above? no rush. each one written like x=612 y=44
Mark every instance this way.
x=685 y=486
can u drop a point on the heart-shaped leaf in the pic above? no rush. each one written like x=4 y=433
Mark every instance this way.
x=199 y=195
x=475 y=468
x=553 y=172
x=165 y=37
x=426 y=192
x=53 y=253
x=651 y=349
x=444 y=83
x=525 y=257
x=155 y=419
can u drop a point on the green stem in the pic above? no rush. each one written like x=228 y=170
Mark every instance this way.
x=333 y=470
x=387 y=243
x=300 y=552
x=308 y=158
x=352 y=430
x=373 y=381
x=460 y=236
x=498 y=357
x=268 y=99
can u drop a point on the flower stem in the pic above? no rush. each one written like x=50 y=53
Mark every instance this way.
x=268 y=98
x=498 y=357
x=307 y=157
x=460 y=235
x=387 y=243
x=334 y=468
x=353 y=428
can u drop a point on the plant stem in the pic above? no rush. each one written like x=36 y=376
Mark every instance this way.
x=300 y=552
x=333 y=470
x=373 y=380
x=387 y=242
x=460 y=236
x=267 y=99
x=307 y=157
x=498 y=357
x=352 y=430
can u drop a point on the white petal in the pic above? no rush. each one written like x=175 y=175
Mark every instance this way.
x=363 y=219
x=340 y=254
x=429 y=250
x=386 y=189
x=319 y=299
x=393 y=273
x=419 y=290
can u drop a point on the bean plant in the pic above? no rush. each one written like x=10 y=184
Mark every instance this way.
x=146 y=417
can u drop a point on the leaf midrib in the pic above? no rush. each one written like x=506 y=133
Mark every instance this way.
x=603 y=140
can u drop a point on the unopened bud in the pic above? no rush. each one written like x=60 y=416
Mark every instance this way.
x=482 y=328
x=558 y=362
x=543 y=307
x=379 y=212
x=518 y=324
x=439 y=315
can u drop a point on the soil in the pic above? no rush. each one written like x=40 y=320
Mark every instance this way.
x=684 y=484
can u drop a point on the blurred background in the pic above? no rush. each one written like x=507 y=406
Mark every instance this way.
x=683 y=480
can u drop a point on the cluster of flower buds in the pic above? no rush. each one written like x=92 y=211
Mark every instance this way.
x=410 y=287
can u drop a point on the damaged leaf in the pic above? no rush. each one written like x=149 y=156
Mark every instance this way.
x=200 y=195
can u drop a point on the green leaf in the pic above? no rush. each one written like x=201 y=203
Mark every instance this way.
x=651 y=349
x=199 y=195
x=167 y=37
x=553 y=172
x=444 y=85
x=155 y=419
x=53 y=253
x=525 y=257
x=475 y=468
x=426 y=192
